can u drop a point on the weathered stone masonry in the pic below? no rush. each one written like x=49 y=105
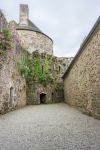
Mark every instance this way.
x=82 y=79
x=35 y=41
x=15 y=92
x=12 y=87
x=32 y=38
x=12 y=84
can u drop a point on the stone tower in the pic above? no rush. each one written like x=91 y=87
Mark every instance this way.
x=33 y=39
x=24 y=15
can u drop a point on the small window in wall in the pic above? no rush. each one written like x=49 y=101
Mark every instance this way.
x=11 y=96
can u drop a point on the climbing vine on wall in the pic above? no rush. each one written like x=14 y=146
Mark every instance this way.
x=24 y=65
x=9 y=41
x=36 y=68
x=5 y=41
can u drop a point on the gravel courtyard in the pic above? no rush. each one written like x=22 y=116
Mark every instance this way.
x=49 y=127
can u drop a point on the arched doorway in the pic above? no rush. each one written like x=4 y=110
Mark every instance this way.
x=42 y=98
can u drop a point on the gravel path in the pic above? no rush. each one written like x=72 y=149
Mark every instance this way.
x=49 y=127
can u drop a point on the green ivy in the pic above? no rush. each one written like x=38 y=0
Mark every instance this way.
x=7 y=35
x=35 y=68
x=5 y=40
x=24 y=65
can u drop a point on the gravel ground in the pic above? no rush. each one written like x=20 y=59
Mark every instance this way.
x=49 y=127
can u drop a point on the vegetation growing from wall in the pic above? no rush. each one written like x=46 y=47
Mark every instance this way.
x=36 y=68
x=5 y=41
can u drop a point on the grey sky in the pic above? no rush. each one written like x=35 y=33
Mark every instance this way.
x=67 y=22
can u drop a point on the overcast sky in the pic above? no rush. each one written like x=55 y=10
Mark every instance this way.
x=67 y=22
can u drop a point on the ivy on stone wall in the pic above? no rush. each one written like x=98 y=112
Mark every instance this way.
x=8 y=41
x=36 y=68
x=24 y=65
x=5 y=40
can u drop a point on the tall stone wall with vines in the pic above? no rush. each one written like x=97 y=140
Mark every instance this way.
x=42 y=75
x=27 y=74
x=12 y=84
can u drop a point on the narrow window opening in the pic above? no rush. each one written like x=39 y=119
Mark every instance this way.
x=11 y=96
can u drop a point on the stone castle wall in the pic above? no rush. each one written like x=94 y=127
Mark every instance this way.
x=53 y=93
x=53 y=89
x=61 y=65
x=35 y=41
x=12 y=87
x=12 y=84
x=38 y=88
x=82 y=81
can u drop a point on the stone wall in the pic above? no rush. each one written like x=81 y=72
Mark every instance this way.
x=82 y=80
x=58 y=92
x=60 y=66
x=54 y=89
x=12 y=84
x=34 y=89
x=52 y=93
x=3 y=22
x=12 y=87
x=33 y=41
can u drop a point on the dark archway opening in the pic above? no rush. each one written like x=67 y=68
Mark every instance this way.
x=42 y=98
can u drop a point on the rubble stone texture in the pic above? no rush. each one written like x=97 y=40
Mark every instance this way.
x=12 y=87
x=52 y=93
x=31 y=39
x=82 y=81
x=35 y=41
